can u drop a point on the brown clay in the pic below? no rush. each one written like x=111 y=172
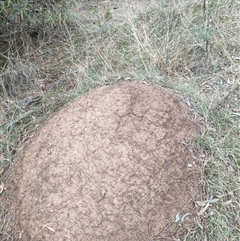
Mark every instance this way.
x=109 y=166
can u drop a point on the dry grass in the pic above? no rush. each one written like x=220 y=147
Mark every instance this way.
x=190 y=46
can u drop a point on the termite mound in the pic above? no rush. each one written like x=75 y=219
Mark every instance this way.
x=111 y=165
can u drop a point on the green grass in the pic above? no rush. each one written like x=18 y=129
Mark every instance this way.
x=182 y=46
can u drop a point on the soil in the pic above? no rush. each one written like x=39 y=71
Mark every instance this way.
x=112 y=166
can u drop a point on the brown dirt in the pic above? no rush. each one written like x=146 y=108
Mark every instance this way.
x=109 y=166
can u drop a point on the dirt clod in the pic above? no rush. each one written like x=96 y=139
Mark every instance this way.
x=109 y=166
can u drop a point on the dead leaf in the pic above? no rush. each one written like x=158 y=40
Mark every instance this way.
x=200 y=204
x=51 y=229
x=214 y=200
x=185 y=215
x=227 y=202
x=203 y=210
x=220 y=196
x=176 y=239
x=177 y=217
x=1 y=188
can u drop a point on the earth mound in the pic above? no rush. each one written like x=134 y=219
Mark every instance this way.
x=109 y=166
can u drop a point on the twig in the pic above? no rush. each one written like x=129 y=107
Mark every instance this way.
x=226 y=97
x=206 y=28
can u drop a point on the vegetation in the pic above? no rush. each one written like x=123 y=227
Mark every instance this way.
x=52 y=53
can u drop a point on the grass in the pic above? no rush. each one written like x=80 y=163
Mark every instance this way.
x=189 y=46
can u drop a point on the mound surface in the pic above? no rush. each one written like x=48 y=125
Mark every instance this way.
x=109 y=166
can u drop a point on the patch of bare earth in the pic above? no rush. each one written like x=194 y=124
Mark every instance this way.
x=109 y=166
